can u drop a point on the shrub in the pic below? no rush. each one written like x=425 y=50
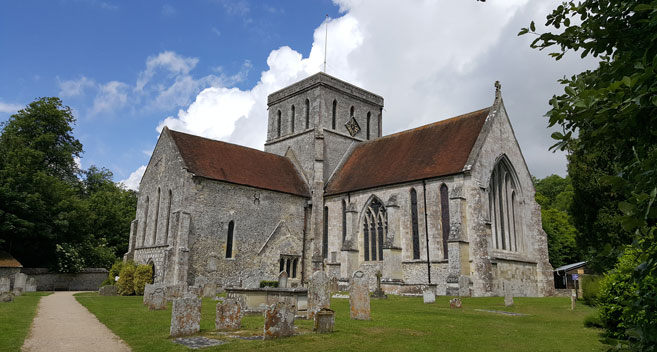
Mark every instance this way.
x=593 y=321
x=267 y=283
x=143 y=275
x=590 y=288
x=114 y=271
x=126 y=284
x=615 y=297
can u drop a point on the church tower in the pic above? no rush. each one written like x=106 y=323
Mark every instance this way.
x=315 y=122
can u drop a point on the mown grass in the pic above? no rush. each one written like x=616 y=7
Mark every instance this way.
x=397 y=324
x=16 y=318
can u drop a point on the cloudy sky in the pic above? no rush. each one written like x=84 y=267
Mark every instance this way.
x=128 y=68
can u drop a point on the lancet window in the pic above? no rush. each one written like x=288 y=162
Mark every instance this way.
x=375 y=229
x=444 y=217
x=289 y=264
x=307 y=113
x=229 y=239
x=504 y=207
x=414 y=225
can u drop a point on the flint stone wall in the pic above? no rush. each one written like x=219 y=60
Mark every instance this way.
x=5 y=284
x=86 y=280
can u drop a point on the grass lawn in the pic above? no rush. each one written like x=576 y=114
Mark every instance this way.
x=15 y=319
x=398 y=324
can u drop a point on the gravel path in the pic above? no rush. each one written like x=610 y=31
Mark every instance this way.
x=62 y=324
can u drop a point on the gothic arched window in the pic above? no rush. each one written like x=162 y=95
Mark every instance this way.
x=143 y=238
x=325 y=235
x=414 y=224
x=344 y=220
x=335 y=108
x=166 y=236
x=444 y=216
x=292 y=120
x=157 y=215
x=503 y=206
x=307 y=113
x=229 y=239
x=375 y=229
x=369 y=117
x=351 y=111
x=278 y=125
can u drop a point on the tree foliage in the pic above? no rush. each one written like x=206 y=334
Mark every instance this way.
x=610 y=113
x=51 y=213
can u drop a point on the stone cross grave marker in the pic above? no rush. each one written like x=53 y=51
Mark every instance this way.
x=508 y=295
x=5 y=284
x=378 y=293
x=324 y=321
x=429 y=294
x=359 y=297
x=319 y=293
x=229 y=315
x=185 y=316
x=282 y=280
x=334 y=287
x=279 y=320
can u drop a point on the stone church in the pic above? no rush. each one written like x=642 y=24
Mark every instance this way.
x=449 y=204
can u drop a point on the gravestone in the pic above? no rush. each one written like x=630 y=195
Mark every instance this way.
x=429 y=294
x=334 y=287
x=282 y=280
x=324 y=321
x=210 y=290
x=111 y=290
x=175 y=291
x=378 y=293
x=455 y=303
x=508 y=295
x=229 y=315
x=195 y=290
x=19 y=284
x=359 y=297
x=319 y=294
x=200 y=281
x=279 y=321
x=185 y=316
x=6 y=296
x=148 y=290
x=5 y=284
x=157 y=298
x=573 y=299
x=31 y=285
x=464 y=286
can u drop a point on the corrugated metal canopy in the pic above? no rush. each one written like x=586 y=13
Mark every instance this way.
x=438 y=149
x=570 y=266
x=232 y=163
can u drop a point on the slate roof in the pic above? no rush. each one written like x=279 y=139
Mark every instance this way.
x=232 y=163
x=7 y=261
x=438 y=149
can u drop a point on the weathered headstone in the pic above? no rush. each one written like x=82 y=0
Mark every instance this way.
x=334 y=287
x=110 y=290
x=185 y=316
x=5 y=284
x=319 y=294
x=210 y=290
x=200 y=281
x=229 y=315
x=359 y=297
x=279 y=321
x=282 y=280
x=148 y=291
x=6 y=296
x=31 y=285
x=455 y=303
x=176 y=291
x=324 y=321
x=508 y=295
x=429 y=294
x=195 y=290
x=157 y=298
x=19 y=284
x=378 y=293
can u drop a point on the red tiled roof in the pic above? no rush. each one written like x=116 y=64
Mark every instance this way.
x=7 y=261
x=232 y=163
x=438 y=149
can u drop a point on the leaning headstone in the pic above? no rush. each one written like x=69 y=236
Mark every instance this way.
x=185 y=316
x=282 y=280
x=229 y=315
x=5 y=284
x=210 y=290
x=508 y=295
x=324 y=321
x=359 y=297
x=6 y=296
x=31 y=285
x=279 y=321
x=429 y=294
x=455 y=303
x=19 y=284
x=319 y=293
x=110 y=290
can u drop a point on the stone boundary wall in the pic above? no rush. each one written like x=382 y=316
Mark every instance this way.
x=87 y=280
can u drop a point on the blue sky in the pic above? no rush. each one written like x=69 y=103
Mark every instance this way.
x=127 y=68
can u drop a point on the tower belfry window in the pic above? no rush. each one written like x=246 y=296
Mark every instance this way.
x=278 y=125
x=292 y=120
x=335 y=108
x=307 y=113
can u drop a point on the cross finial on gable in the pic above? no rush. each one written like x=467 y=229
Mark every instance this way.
x=498 y=88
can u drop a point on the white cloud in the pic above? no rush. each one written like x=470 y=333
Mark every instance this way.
x=430 y=61
x=169 y=61
x=168 y=10
x=76 y=87
x=216 y=31
x=132 y=182
x=9 y=108
x=111 y=95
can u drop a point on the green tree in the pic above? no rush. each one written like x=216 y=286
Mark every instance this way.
x=612 y=110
